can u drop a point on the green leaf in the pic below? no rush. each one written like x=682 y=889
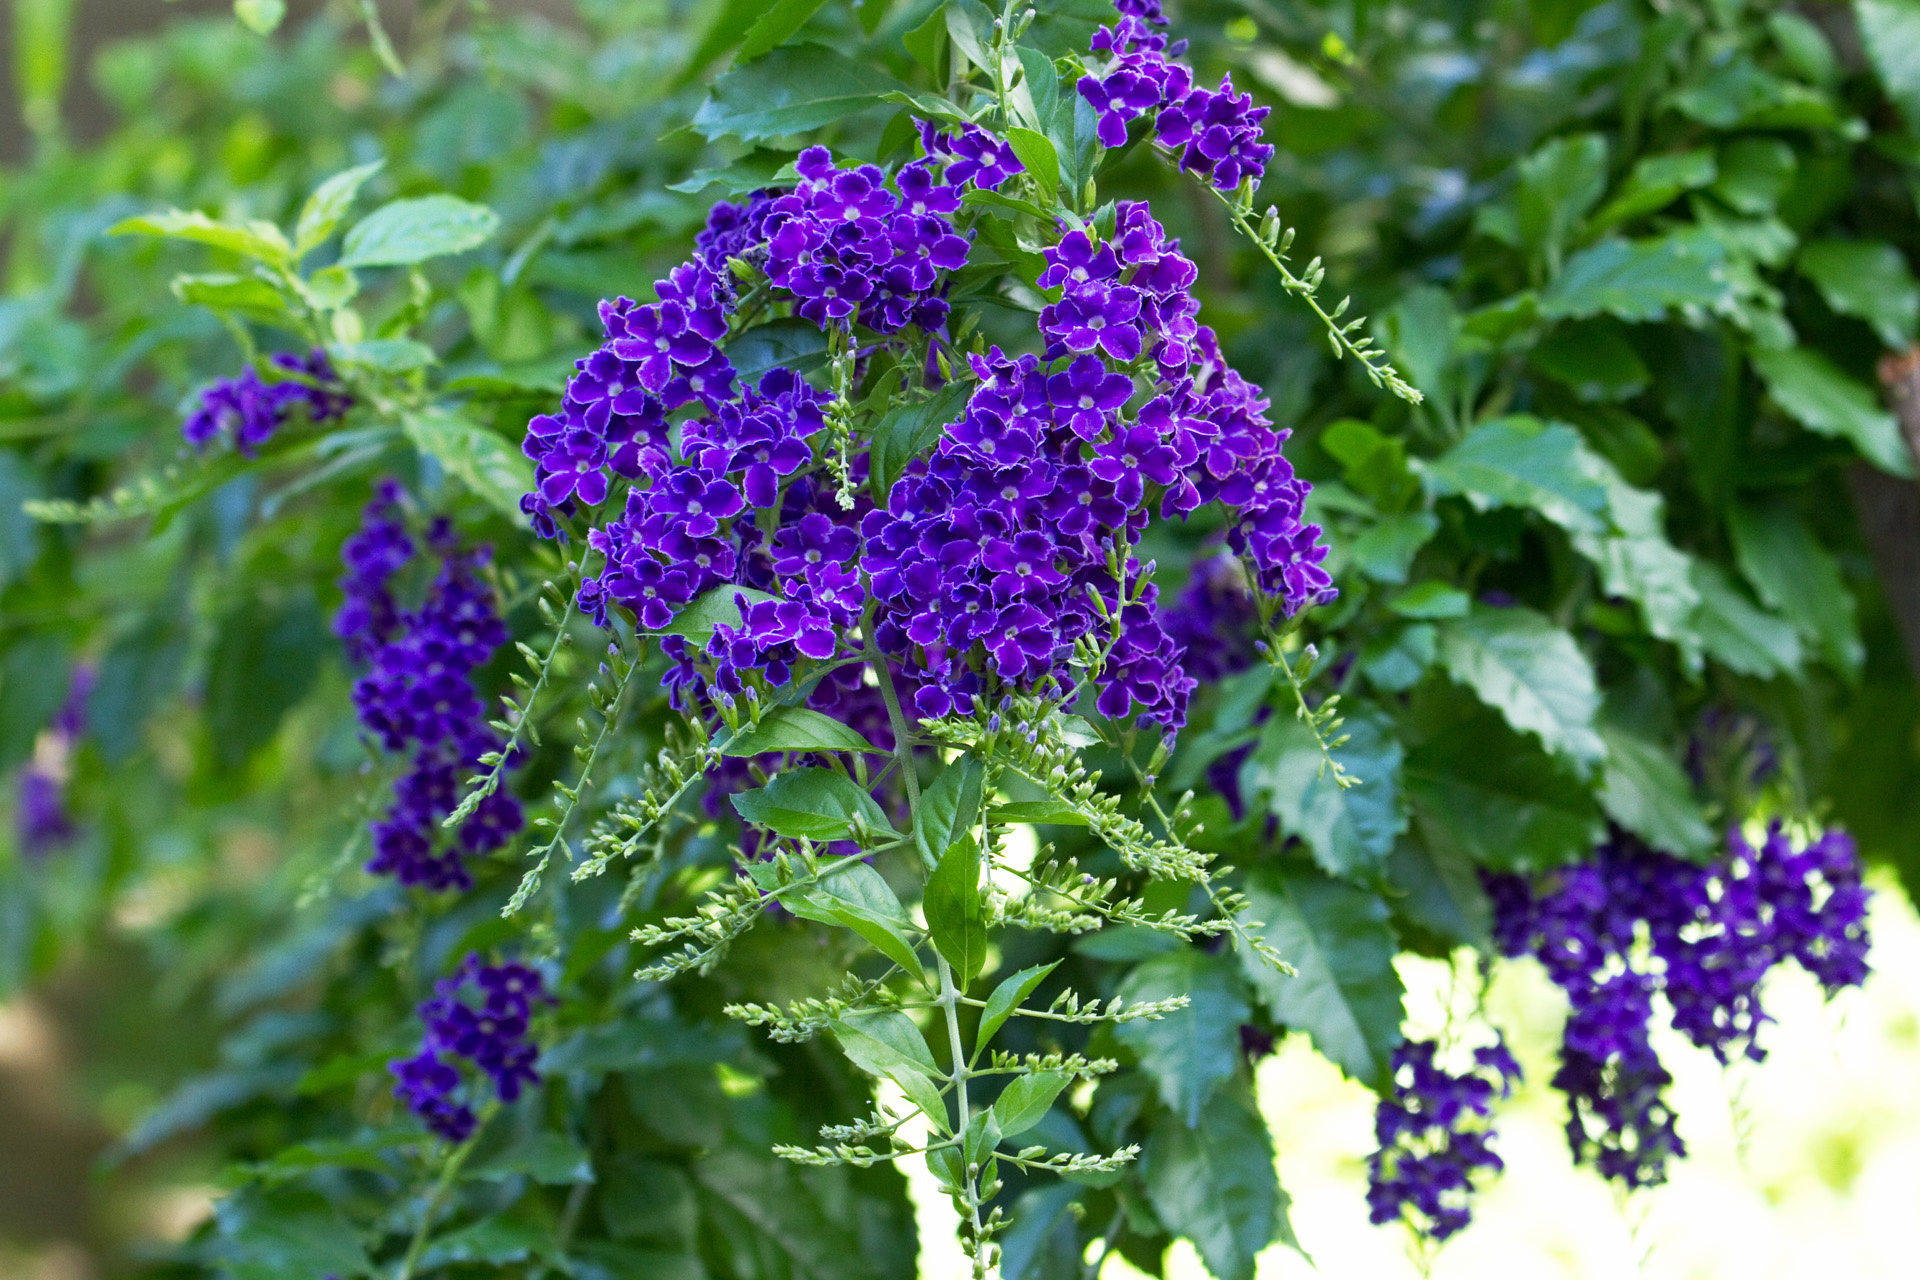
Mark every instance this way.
x=1042 y=84
x=260 y=16
x=1386 y=550
x=266 y=654
x=715 y=607
x=750 y=172
x=812 y=804
x=968 y=22
x=1644 y=789
x=791 y=90
x=1737 y=92
x=883 y=1041
x=910 y=430
x=1010 y=204
x=1040 y=812
x=259 y=240
x=1523 y=462
x=1737 y=632
x=1890 y=33
x=948 y=809
x=327 y=207
x=1594 y=359
x=1817 y=394
x=1190 y=1051
x=1431 y=599
x=389 y=355
x=857 y=897
x=1754 y=174
x=791 y=342
x=1007 y=997
x=1397 y=659
x=930 y=105
x=408 y=231
x=1025 y=1102
x=547 y=1157
x=1041 y=161
x=1532 y=672
x=1638 y=280
x=956 y=916
x=1868 y=279
x=1794 y=574
x=778 y=22
x=1349 y=831
x=1212 y=1180
x=797 y=729
x=1345 y=993
x=249 y=296
x=487 y=465
x=1637 y=563
x=287 y=1233
x=492 y=1241
x=1656 y=182
x=1559 y=183
x=1485 y=795
x=1437 y=891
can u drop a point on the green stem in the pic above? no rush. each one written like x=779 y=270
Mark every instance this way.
x=449 y=1174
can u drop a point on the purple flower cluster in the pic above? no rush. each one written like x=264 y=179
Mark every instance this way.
x=971 y=155
x=841 y=246
x=419 y=693
x=1434 y=1137
x=247 y=410
x=40 y=817
x=1015 y=540
x=1216 y=132
x=492 y=1037
x=1635 y=923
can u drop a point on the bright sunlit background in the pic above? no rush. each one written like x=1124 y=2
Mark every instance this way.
x=1805 y=1165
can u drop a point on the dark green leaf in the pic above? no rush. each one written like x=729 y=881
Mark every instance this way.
x=797 y=729
x=1042 y=84
x=544 y=1156
x=409 y=231
x=1397 y=659
x=1348 y=830
x=485 y=463
x=948 y=809
x=1190 y=1052
x=814 y=804
x=1817 y=394
x=1007 y=997
x=327 y=207
x=791 y=90
x=750 y=172
x=1644 y=789
x=1869 y=279
x=1486 y=795
x=1344 y=993
x=1026 y=1101
x=910 y=430
x=1437 y=891
x=1594 y=359
x=879 y=1041
x=1739 y=633
x=1212 y=1180
x=1656 y=181
x=1523 y=462
x=1638 y=279
x=1559 y=183
x=1890 y=33
x=1754 y=174
x=492 y=1241
x=788 y=343
x=18 y=542
x=858 y=898
x=264 y=659
x=643 y=1199
x=291 y=1234
x=1386 y=550
x=956 y=916
x=1532 y=672
x=1038 y=157
x=1432 y=599
x=1797 y=576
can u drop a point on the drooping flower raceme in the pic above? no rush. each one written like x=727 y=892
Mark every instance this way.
x=247 y=410
x=1435 y=1137
x=1634 y=924
x=481 y=1014
x=418 y=695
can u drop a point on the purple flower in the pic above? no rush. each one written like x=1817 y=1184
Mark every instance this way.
x=1088 y=393
x=1096 y=317
x=1434 y=1139
x=491 y=1037
x=247 y=411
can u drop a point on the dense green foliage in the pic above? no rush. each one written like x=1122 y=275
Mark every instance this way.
x=1642 y=261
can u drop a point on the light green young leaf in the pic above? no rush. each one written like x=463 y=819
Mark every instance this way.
x=1345 y=993
x=262 y=17
x=1517 y=662
x=408 y=231
x=968 y=22
x=1039 y=159
x=1213 y=1181
x=812 y=804
x=956 y=915
x=1006 y=998
x=1820 y=396
x=1026 y=1100
x=327 y=207
x=858 y=898
x=718 y=607
x=1644 y=790
x=1349 y=831
x=1523 y=462
x=261 y=241
x=792 y=89
x=882 y=1041
x=797 y=729
x=1039 y=811
x=1798 y=576
x=1190 y=1052
x=486 y=464
x=248 y=296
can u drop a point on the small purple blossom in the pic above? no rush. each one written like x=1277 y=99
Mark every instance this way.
x=247 y=411
x=491 y=1035
x=1435 y=1139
